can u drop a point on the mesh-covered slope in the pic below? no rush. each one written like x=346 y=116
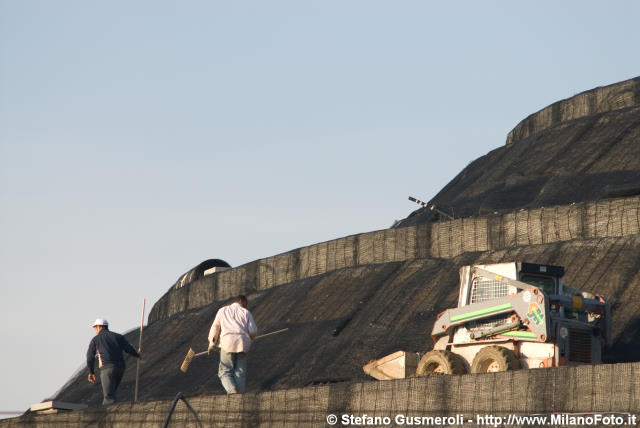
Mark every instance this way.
x=580 y=149
x=340 y=320
x=446 y=239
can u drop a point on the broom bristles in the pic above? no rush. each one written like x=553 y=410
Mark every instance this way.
x=187 y=360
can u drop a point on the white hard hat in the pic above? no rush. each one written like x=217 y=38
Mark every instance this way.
x=101 y=321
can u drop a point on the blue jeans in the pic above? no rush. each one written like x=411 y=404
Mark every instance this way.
x=232 y=371
x=110 y=377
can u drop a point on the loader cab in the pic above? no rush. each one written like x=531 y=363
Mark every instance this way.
x=547 y=284
x=546 y=277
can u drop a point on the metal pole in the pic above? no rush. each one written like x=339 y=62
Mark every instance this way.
x=135 y=395
x=431 y=206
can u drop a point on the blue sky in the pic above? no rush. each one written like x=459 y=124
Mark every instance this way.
x=138 y=138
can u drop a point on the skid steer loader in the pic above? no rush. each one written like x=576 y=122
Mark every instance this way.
x=509 y=316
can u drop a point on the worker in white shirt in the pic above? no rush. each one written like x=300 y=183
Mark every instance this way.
x=233 y=329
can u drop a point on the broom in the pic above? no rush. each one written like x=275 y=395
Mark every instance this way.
x=191 y=354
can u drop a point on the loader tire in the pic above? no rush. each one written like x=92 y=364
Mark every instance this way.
x=440 y=362
x=495 y=359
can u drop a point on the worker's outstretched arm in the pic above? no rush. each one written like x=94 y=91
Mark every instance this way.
x=252 y=327
x=127 y=347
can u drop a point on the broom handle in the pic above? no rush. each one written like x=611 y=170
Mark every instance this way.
x=257 y=337
x=273 y=332
x=135 y=394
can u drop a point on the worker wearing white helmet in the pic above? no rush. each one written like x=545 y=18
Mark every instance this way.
x=108 y=347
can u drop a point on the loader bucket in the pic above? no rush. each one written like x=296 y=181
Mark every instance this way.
x=398 y=365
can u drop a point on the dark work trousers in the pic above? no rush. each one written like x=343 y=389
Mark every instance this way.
x=110 y=377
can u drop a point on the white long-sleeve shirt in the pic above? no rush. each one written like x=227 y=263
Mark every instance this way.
x=235 y=327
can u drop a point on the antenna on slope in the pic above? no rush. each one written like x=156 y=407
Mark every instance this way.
x=432 y=207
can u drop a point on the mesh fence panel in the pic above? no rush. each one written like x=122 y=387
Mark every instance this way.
x=448 y=239
x=591 y=390
x=598 y=100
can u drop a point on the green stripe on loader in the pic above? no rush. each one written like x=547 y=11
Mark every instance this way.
x=486 y=311
x=526 y=334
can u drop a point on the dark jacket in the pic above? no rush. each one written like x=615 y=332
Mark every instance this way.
x=109 y=347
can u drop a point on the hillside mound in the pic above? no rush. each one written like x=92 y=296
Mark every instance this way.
x=359 y=298
x=340 y=320
x=580 y=149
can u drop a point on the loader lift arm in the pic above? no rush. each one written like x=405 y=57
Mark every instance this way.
x=530 y=308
